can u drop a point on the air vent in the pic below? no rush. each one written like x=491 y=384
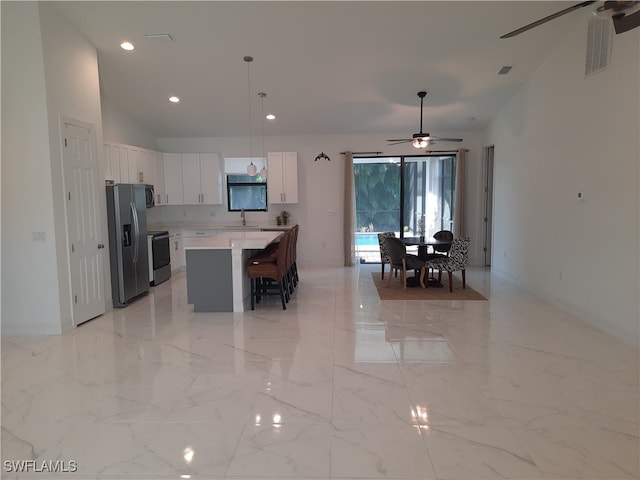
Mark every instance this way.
x=159 y=37
x=599 y=39
x=505 y=70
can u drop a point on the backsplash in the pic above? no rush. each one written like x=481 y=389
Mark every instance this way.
x=215 y=214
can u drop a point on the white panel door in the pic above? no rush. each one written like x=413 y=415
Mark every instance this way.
x=191 y=188
x=173 y=179
x=210 y=179
x=85 y=236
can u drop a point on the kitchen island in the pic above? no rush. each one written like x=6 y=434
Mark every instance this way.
x=217 y=270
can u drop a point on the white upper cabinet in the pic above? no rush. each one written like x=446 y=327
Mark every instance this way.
x=282 y=179
x=146 y=167
x=173 y=179
x=158 y=185
x=211 y=178
x=112 y=162
x=201 y=179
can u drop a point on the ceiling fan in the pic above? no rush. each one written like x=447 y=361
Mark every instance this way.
x=624 y=14
x=421 y=140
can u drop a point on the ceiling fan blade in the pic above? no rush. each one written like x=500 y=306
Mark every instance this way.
x=442 y=139
x=398 y=142
x=626 y=23
x=546 y=19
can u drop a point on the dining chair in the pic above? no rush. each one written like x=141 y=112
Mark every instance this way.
x=456 y=261
x=268 y=272
x=445 y=235
x=384 y=254
x=400 y=259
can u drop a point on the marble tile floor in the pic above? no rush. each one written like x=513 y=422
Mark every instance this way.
x=338 y=386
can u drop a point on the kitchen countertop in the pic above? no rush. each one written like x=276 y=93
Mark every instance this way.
x=212 y=226
x=247 y=240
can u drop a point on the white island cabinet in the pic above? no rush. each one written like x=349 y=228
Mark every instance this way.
x=217 y=278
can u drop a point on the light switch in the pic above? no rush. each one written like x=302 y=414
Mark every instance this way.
x=39 y=236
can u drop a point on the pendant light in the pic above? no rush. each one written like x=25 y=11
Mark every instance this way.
x=252 y=170
x=264 y=172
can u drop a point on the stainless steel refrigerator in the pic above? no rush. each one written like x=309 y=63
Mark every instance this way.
x=127 y=218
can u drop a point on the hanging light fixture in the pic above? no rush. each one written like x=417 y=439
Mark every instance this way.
x=252 y=170
x=264 y=172
x=420 y=142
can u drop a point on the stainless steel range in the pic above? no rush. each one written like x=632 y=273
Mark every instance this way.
x=159 y=257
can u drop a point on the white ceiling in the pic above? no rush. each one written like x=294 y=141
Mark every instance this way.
x=327 y=67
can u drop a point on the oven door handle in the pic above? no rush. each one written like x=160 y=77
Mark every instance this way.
x=160 y=237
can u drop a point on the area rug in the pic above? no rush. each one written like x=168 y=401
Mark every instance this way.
x=396 y=292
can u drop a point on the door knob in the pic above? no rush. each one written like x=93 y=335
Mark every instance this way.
x=100 y=246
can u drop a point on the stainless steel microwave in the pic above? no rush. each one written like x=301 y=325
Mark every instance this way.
x=149 y=196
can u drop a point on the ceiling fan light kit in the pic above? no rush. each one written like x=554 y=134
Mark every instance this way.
x=421 y=139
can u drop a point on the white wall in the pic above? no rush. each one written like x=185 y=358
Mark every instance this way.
x=49 y=71
x=28 y=268
x=117 y=127
x=321 y=187
x=560 y=135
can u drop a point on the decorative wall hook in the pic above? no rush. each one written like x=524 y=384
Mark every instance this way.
x=322 y=155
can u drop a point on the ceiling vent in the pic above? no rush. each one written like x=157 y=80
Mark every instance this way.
x=159 y=37
x=599 y=39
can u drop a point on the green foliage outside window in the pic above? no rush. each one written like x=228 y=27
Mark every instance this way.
x=377 y=192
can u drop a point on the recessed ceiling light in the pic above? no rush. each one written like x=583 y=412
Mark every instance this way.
x=127 y=46
x=270 y=116
x=174 y=99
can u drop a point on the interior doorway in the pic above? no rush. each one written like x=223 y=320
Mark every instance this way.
x=83 y=221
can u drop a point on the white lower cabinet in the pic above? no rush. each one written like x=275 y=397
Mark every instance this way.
x=177 y=251
x=196 y=238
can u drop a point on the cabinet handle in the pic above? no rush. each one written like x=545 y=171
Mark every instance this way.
x=167 y=195
x=159 y=199
x=141 y=176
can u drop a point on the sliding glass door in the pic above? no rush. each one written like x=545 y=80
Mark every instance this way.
x=377 y=192
x=395 y=193
x=428 y=193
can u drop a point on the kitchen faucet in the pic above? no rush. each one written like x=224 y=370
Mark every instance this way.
x=242 y=216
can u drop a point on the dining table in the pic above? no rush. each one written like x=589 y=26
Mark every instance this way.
x=424 y=244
